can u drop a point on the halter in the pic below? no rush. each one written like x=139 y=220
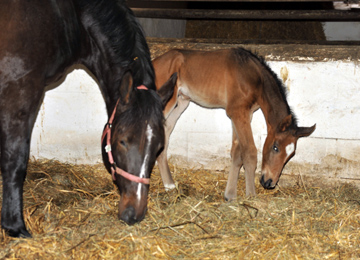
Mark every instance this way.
x=114 y=168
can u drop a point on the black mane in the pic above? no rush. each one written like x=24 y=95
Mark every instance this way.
x=279 y=83
x=145 y=105
x=127 y=45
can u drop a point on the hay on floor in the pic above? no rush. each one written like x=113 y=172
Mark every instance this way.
x=71 y=211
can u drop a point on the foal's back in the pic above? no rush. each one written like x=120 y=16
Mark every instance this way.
x=210 y=78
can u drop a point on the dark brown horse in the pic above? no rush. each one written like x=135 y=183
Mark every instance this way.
x=240 y=82
x=39 y=40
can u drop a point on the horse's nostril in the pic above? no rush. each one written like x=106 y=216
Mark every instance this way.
x=128 y=215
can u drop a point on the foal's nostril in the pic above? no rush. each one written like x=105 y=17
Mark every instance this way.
x=266 y=184
x=128 y=215
x=262 y=180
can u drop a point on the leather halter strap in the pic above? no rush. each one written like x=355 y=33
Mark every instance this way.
x=114 y=168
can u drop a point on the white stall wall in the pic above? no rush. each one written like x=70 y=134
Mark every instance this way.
x=70 y=122
x=71 y=119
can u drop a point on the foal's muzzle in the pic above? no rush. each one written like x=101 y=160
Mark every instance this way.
x=266 y=184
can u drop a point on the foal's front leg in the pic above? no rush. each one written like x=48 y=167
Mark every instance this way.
x=243 y=152
x=236 y=163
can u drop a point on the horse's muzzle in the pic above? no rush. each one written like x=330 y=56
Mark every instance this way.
x=129 y=216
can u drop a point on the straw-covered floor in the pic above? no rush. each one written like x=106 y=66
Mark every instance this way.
x=71 y=212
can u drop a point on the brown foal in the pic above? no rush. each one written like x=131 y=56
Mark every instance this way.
x=240 y=82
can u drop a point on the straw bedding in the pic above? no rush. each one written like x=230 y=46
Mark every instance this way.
x=71 y=211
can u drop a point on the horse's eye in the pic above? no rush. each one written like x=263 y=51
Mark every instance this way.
x=123 y=143
x=275 y=148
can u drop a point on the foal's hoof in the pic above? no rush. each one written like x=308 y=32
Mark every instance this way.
x=229 y=198
x=169 y=187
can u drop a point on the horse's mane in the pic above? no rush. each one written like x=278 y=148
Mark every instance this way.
x=282 y=89
x=125 y=36
x=146 y=106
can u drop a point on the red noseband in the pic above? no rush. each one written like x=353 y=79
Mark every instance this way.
x=114 y=168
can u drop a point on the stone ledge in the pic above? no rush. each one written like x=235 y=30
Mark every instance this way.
x=299 y=51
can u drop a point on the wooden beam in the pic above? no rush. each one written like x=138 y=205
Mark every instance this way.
x=298 y=51
x=239 y=1
x=322 y=15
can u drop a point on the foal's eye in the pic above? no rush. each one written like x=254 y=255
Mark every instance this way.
x=275 y=148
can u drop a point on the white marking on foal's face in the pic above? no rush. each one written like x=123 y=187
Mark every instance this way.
x=290 y=148
x=149 y=135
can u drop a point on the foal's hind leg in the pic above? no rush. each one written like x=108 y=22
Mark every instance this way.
x=248 y=156
x=170 y=122
x=17 y=115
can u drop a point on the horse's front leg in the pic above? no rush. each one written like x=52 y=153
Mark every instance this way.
x=245 y=148
x=16 y=122
x=13 y=170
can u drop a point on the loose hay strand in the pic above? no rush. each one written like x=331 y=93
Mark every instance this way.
x=71 y=210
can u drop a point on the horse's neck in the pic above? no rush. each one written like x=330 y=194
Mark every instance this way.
x=110 y=51
x=104 y=73
x=273 y=103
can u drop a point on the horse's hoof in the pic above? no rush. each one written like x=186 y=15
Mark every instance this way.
x=22 y=233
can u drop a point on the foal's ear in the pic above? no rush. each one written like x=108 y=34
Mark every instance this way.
x=167 y=90
x=304 y=131
x=126 y=87
x=285 y=123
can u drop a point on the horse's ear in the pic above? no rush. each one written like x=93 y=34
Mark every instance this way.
x=167 y=90
x=304 y=131
x=126 y=87
x=285 y=123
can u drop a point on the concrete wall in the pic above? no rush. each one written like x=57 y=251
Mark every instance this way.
x=342 y=31
x=163 y=28
x=171 y=28
x=72 y=116
x=70 y=122
x=325 y=93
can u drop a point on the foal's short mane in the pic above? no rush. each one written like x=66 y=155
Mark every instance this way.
x=282 y=89
x=125 y=36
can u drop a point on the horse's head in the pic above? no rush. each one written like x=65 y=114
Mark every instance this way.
x=131 y=142
x=279 y=148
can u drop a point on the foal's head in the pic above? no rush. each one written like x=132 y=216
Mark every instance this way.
x=135 y=139
x=279 y=147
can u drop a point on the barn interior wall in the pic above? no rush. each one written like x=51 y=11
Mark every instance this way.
x=172 y=28
x=342 y=31
x=163 y=28
x=72 y=116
